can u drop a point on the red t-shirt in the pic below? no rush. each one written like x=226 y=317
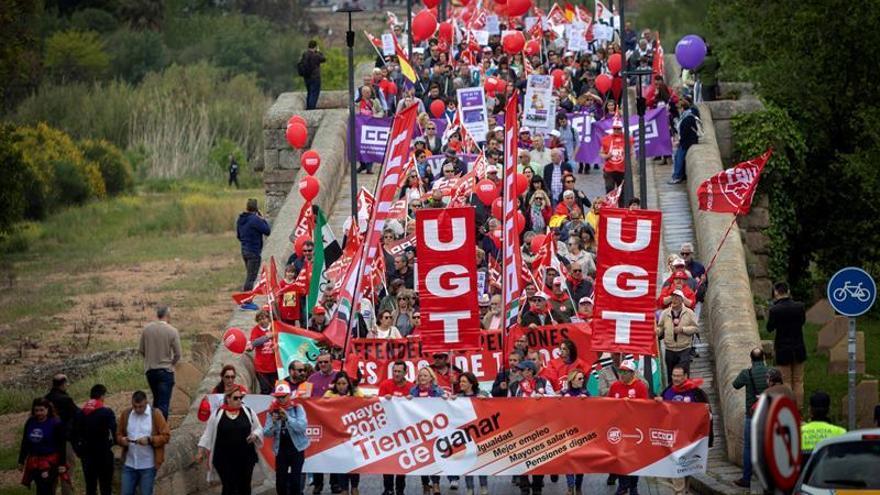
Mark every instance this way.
x=636 y=390
x=389 y=387
x=264 y=356
x=288 y=302
x=613 y=146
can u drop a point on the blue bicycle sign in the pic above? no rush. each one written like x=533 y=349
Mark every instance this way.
x=851 y=291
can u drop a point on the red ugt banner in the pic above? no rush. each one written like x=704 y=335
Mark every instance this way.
x=447 y=279
x=626 y=281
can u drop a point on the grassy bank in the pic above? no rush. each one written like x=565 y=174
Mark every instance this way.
x=816 y=367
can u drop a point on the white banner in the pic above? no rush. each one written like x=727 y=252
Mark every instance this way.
x=539 y=106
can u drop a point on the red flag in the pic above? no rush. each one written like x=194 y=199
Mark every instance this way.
x=305 y=224
x=658 y=65
x=259 y=289
x=732 y=190
x=512 y=256
x=626 y=281
x=447 y=279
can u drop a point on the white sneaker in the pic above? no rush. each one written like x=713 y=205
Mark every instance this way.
x=453 y=485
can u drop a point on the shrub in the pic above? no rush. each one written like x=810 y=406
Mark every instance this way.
x=91 y=19
x=76 y=56
x=14 y=173
x=133 y=54
x=114 y=166
x=42 y=149
x=71 y=186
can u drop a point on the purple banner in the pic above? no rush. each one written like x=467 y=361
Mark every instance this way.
x=657 y=139
x=371 y=136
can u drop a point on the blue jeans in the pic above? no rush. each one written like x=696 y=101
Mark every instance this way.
x=747 y=450
x=133 y=478
x=628 y=484
x=574 y=480
x=678 y=163
x=469 y=481
x=161 y=384
x=252 y=266
x=313 y=89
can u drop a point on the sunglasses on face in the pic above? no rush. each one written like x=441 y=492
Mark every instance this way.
x=448 y=171
x=236 y=397
x=307 y=251
x=569 y=182
x=577 y=270
x=386 y=317
x=231 y=377
x=300 y=370
x=416 y=317
x=323 y=362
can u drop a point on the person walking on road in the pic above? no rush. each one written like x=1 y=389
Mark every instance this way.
x=250 y=228
x=787 y=317
x=309 y=68
x=160 y=348
x=233 y=171
x=66 y=410
x=94 y=433
x=142 y=433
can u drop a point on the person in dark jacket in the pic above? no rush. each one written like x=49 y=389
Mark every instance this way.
x=754 y=379
x=42 y=457
x=787 y=318
x=310 y=70
x=66 y=410
x=250 y=228
x=687 y=137
x=683 y=389
x=94 y=430
x=540 y=313
x=507 y=377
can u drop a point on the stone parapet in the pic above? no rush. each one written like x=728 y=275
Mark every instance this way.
x=728 y=307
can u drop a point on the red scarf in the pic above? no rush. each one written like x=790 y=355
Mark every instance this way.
x=92 y=405
x=687 y=385
x=227 y=407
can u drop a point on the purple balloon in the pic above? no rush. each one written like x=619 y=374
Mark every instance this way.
x=690 y=51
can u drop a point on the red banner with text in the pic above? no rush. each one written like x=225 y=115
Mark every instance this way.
x=626 y=281
x=447 y=279
x=506 y=436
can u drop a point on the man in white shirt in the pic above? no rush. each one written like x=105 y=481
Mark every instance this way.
x=142 y=434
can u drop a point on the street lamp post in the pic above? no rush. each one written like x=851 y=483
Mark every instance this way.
x=641 y=108
x=352 y=162
x=624 y=100
x=409 y=28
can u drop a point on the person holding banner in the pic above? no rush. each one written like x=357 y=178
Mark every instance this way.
x=561 y=368
x=230 y=440
x=286 y=424
x=262 y=344
x=396 y=386
x=469 y=387
x=426 y=386
x=628 y=387
x=508 y=376
x=539 y=313
x=577 y=387
x=343 y=386
x=676 y=327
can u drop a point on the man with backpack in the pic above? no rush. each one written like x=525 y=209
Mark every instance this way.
x=754 y=379
x=309 y=68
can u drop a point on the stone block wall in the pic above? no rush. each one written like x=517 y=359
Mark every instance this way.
x=728 y=310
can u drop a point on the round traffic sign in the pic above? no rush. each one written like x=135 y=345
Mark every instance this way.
x=851 y=291
x=782 y=442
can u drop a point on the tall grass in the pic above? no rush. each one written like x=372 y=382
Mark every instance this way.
x=175 y=116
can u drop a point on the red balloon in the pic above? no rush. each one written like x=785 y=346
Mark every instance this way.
x=500 y=86
x=297 y=135
x=437 y=108
x=490 y=84
x=310 y=161
x=486 y=191
x=533 y=47
x=558 y=78
x=423 y=26
x=603 y=83
x=513 y=42
x=616 y=87
x=444 y=32
x=392 y=88
x=615 y=62
x=296 y=118
x=522 y=184
x=500 y=9
x=537 y=242
x=204 y=409
x=234 y=340
x=298 y=244
x=431 y=3
x=497 y=209
x=519 y=221
x=516 y=8
x=309 y=187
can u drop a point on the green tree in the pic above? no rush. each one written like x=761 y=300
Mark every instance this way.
x=20 y=56
x=114 y=166
x=135 y=53
x=92 y=19
x=806 y=57
x=76 y=56
x=142 y=14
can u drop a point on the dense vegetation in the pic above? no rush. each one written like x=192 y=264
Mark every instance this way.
x=126 y=91
x=807 y=61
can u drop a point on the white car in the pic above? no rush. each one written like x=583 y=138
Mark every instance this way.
x=847 y=464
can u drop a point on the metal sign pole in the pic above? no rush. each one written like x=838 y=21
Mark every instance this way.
x=851 y=349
